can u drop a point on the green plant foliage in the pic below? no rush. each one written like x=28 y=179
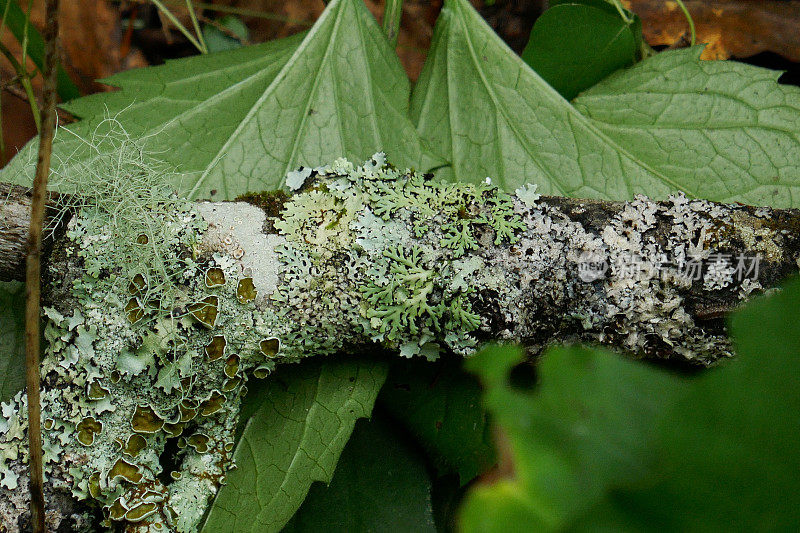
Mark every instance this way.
x=218 y=41
x=729 y=130
x=15 y=21
x=574 y=45
x=295 y=425
x=238 y=121
x=12 y=339
x=605 y=443
x=719 y=130
x=439 y=404
x=380 y=485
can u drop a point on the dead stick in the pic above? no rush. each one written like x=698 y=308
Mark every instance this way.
x=33 y=272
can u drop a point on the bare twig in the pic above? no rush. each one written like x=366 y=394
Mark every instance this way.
x=33 y=263
x=24 y=79
x=2 y=139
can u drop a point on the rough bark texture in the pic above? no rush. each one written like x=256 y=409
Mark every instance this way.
x=593 y=215
x=173 y=321
x=15 y=216
x=15 y=212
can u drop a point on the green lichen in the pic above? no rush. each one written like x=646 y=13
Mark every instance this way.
x=388 y=242
x=161 y=334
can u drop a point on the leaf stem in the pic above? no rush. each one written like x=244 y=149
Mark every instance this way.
x=19 y=66
x=25 y=80
x=177 y=23
x=33 y=265
x=622 y=11
x=690 y=20
x=25 y=29
x=392 y=13
x=197 y=31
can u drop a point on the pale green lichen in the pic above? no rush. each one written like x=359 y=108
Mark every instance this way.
x=167 y=308
x=379 y=246
x=156 y=335
x=527 y=194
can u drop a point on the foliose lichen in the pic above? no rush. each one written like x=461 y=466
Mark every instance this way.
x=163 y=309
x=166 y=308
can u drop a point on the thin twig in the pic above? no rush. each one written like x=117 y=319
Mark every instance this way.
x=24 y=79
x=33 y=263
x=2 y=137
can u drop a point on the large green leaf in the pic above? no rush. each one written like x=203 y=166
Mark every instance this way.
x=573 y=45
x=726 y=130
x=381 y=485
x=12 y=339
x=238 y=121
x=439 y=404
x=296 y=424
x=610 y=444
x=720 y=130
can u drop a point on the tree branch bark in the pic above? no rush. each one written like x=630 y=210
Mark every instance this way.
x=356 y=257
x=775 y=230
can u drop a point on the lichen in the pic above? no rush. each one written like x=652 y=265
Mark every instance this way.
x=379 y=247
x=167 y=307
x=172 y=306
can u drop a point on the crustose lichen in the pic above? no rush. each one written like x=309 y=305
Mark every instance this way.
x=163 y=309
x=160 y=315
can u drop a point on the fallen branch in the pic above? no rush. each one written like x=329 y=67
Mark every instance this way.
x=157 y=321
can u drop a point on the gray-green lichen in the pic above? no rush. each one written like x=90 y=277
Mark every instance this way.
x=165 y=314
x=169 y=313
